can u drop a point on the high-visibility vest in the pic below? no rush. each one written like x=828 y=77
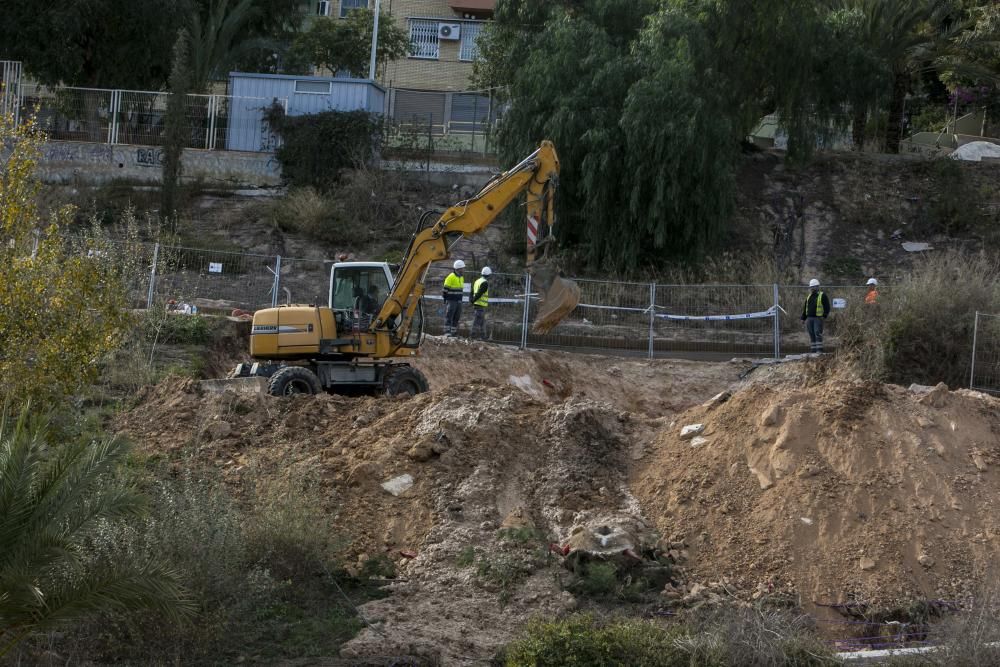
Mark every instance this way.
x=484 y=300
x=871 y=297
x=454 y=286
x=819 y=305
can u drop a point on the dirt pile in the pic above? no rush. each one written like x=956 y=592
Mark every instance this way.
x=421 y=481
x=839 y=490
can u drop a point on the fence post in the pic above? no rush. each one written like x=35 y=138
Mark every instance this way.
x=152 y=276
x=210 y=131
x=652 y=315
x=526 y=314
x=777 y=323
x=975 y=336
x=277 y=282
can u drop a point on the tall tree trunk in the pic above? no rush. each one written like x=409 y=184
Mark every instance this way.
x=894 y=127
x=858 y=123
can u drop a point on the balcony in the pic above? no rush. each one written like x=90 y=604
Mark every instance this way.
x=476 y=8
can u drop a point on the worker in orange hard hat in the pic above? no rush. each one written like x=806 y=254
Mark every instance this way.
x=872 y=295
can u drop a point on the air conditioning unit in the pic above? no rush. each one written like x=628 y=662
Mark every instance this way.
x=449 y=30
x=323 y=7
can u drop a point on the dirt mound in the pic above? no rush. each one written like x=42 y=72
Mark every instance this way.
x=838 y=490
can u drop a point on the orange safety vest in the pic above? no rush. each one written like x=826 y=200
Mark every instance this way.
x=872 y=296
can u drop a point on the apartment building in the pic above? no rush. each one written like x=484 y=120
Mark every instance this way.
x=432 y=85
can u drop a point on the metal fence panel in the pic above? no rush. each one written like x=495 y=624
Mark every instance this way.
x=214 y=280
x=610 y=316
x=69 y=114
x=794 y=339
x=985 y=371
x=680 y=324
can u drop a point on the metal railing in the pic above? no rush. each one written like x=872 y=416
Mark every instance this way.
x=984 y=374
x=10 y=88
x=641 y=319
x=135 y=117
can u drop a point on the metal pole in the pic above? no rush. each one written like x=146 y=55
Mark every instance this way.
x=777 y=324
x=152 y=276
x=975 y=336
x=210 y=130
x=526 y=314
x=652 y=315
x=371 y=61
x=277 y=282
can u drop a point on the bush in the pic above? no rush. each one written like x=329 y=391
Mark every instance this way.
x=747 y=637
x=263 y=572
x=316 y=148
x=308 y=212
x=921 y=329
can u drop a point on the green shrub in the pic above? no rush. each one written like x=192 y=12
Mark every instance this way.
x=316 y=148
x=322 y=217
x=178 y=329
x=921 y=328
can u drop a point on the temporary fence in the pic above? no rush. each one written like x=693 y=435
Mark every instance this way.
x=984 y=374
x=138 y=118
x=10 y=88
x=642 y=319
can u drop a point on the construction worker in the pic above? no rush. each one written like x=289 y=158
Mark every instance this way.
x=872 y=295
x=454 y=291
x=814 y=311
x=480 y=298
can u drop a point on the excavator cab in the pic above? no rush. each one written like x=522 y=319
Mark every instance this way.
x=357 y=293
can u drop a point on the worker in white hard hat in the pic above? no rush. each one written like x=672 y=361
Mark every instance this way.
x=872 y=295
x=815 y=310
x=454 y=291
x=480 y=298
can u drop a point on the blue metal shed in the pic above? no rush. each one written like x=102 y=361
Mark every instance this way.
x=251 y=94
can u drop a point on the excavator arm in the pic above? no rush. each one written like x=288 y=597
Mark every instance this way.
x=537 y=177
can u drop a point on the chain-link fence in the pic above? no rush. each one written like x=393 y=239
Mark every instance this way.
x=985 y=372
x=643 y=319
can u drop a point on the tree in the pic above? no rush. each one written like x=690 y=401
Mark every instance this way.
x=63 y=305
x=55 y=499
x=177 y=127
x=345 y=45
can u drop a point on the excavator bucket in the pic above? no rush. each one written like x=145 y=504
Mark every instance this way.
x=559 y=296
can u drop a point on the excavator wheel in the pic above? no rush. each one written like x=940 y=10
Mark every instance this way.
x=292 y=380
x=404 y=380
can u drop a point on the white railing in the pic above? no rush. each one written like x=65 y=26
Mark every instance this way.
x=10 y=88
x=138 y=117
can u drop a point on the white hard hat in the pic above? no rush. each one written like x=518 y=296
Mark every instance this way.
x=872 y=281
x=486 y=271
x=813 y=283
x=459 y=264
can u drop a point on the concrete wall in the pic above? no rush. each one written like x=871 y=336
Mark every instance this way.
x=72 y=162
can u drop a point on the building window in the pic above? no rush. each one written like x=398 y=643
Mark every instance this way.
x=348 y=5
x=423 y=39
x=323 y=8
x=313 y=87
x=470 y=33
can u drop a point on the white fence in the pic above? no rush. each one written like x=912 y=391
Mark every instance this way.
x=10 y=88
x=136 y=117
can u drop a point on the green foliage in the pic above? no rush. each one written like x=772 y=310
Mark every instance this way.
x=63 y=306
x=344 y=45
x=175 y=127
x=747 y=637
x=921 y=329
x=955 y=203
x=321 y=217
x=579 y=640
x=56 y=500
x=219 y=40
x=262 y=571
x=178 y=329
x=317 y=148
x=466 y=557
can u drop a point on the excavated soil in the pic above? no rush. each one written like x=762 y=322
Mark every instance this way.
x=803 y=482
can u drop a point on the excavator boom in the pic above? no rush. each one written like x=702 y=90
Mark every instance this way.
x=537 y=176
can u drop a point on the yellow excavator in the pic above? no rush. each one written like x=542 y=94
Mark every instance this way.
x=353 y=344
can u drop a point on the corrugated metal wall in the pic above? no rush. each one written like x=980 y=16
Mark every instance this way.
x=247 y=126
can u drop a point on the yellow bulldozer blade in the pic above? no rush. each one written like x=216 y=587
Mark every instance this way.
x=559 y=297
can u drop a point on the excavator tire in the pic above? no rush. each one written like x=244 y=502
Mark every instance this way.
x=292 y=380
x=404 y=380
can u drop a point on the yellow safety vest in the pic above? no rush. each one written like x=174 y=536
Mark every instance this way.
x=819 y=305
x=484 y=300
x=454 y=287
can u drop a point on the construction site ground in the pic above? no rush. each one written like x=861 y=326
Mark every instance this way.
x=797 y=483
